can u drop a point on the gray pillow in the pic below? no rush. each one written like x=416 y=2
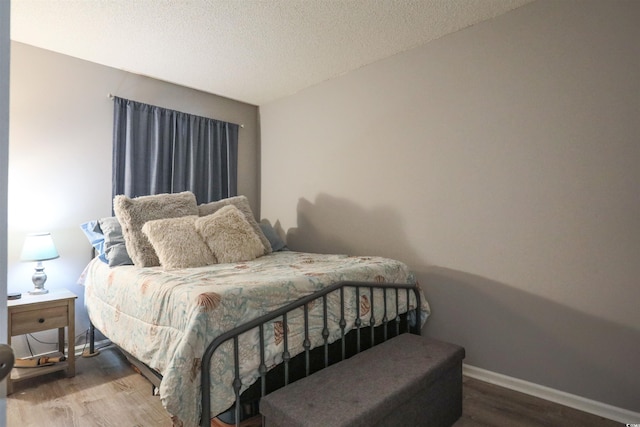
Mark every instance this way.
x=277 y=244
x=114 y=246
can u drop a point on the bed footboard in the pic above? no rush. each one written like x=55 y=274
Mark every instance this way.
x=390 y=328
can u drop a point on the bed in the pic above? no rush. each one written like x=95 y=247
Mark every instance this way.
x=171 y=320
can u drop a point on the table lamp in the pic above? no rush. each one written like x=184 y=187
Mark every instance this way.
x=38 y=247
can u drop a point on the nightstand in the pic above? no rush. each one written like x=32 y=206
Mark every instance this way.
x=35 y=313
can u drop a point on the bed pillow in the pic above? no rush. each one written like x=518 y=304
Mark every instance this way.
x=177 y=243
x=242 y=203
x=93 y=232
x=277 y=244
x=229 y=235
x=114 y=246
x=134 y=212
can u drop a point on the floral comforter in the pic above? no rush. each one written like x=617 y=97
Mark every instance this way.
x=166 y=318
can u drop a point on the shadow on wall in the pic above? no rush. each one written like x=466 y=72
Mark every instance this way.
x=516 y=333
x=503 y=329
x=335 y=225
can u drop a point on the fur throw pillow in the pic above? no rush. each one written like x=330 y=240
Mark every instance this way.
x=242 y=203
x=229 y=235
x=177 y=243
x=132 y=213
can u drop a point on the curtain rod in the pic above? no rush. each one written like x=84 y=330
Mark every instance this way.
x=111 y=96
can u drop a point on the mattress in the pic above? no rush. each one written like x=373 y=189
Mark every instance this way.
x=166 y=318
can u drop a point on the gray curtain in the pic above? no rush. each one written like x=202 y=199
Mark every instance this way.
x=156 y=150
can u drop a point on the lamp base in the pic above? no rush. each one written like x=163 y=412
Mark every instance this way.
x=39 y=278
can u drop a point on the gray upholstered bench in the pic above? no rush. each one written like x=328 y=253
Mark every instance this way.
x=408 y=380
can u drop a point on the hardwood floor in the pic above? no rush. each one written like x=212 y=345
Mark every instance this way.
x=106 y=392
x=486 y=404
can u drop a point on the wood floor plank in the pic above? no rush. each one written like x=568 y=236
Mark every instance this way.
x=486 y=404
x=107 y=392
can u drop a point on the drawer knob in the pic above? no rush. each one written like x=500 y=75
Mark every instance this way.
x=41 y=320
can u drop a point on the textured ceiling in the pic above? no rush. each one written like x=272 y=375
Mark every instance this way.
x=254 y=51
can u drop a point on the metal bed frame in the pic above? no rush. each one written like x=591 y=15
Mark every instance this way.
x=395 y=324
x=303 y=302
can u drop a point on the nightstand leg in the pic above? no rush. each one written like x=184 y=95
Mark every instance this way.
x=61 y=340
x=71 y=328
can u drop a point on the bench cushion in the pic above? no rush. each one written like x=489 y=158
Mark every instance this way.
x=407 y=379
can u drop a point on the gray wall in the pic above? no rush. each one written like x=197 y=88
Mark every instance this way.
x=501 y=163
x=60 y=155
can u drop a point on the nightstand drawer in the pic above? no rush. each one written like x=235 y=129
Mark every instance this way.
x=25 y=322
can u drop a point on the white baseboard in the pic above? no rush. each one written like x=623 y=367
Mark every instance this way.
x=571 y=400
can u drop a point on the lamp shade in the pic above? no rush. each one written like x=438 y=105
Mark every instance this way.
x=38 y=247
